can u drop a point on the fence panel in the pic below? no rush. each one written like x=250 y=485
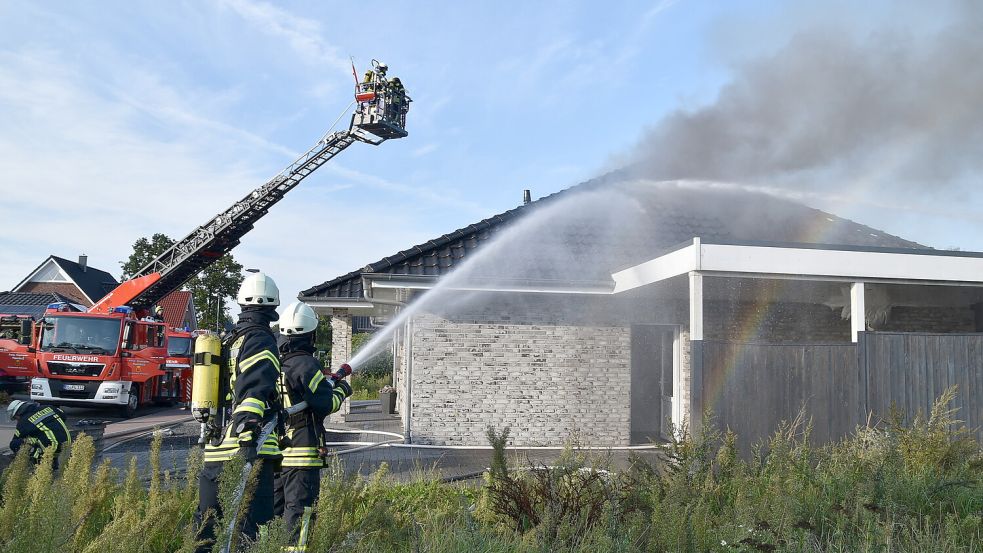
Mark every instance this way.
x=751 y=388
x=908 y=371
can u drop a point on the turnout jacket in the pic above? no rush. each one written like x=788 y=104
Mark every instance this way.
x=40 y=426
x=303 y=379
x=254 y=373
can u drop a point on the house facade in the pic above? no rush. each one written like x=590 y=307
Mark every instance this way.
x=608 y=312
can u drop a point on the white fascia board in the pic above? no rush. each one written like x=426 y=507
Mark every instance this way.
x=339 y=304
x=679 y=262
x=518 y=288
x=397 y=284
x=840 y=263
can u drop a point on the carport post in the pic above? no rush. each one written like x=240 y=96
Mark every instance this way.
x=696 y=352
x=858 y=311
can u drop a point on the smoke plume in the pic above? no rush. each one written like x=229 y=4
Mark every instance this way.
x=890 y=108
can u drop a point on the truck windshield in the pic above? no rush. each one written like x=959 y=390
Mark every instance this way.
x=178 y=347
x=80 y=335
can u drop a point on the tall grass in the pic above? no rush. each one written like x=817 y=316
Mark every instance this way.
x=911 y=487
x=367 y=386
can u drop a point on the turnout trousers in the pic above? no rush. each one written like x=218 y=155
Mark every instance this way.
x=297 y=490
x=258 y=511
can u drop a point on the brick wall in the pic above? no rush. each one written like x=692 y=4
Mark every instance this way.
x=773 y=323
x=341 y=349
x=553 y=371
x=930 y=319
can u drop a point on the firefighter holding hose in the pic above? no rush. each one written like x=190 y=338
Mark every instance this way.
x=303 y=380
x=254 y=375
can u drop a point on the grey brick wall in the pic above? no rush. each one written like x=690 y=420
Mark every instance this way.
x=549 y=374
x=341 y=349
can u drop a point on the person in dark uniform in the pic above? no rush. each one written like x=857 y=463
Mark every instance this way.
x=39 y=426
x=298 y=485
x=254 y=375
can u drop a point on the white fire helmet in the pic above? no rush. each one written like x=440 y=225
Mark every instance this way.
x=15 y=406
x=258 y=289
x=297 y=318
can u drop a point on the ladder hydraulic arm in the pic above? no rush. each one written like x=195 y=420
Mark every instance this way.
x=209 y=242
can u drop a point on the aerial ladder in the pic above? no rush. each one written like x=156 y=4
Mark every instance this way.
x=380 y=116
x=115 y=353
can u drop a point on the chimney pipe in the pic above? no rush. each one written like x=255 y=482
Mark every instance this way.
x=84 y=262
x=526 y=197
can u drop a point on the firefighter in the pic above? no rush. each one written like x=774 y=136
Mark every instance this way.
x=254 y=374
x=298 y=484
x=39 y=426
x=398 y=94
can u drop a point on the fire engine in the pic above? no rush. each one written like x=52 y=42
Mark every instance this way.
x=113 y=354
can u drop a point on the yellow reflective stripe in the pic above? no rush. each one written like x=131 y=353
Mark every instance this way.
x=335 y=402
x=253 y=359
x=305 y=462
x=47 y=432
x=251 y=405
x=318 y=377
x=68 y=435
x=299 y=451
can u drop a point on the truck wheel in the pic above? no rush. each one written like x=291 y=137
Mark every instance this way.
x=132 y=402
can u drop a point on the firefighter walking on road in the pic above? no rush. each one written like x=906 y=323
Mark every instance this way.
x=38 y=426
x=298 y=485
x=254 y=375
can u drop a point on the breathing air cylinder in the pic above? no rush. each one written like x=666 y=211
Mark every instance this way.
x=205 y=382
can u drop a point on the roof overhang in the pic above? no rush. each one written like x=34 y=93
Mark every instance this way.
x=807 y=262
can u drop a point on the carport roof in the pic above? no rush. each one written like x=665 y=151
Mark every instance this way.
x=824 y=262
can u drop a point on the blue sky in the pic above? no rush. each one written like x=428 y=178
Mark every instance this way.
x=121 y=119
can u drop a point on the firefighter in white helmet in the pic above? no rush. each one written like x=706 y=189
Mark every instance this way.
x=298 y=485
x=38 y=426
x=254 y=374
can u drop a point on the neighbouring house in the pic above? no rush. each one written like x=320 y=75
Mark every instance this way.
x=611 y=310
x=57 y=280
x=84 y=285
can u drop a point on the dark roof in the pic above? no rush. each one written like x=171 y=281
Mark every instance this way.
x=27 y=303
x=618 y=223
x=93 y=282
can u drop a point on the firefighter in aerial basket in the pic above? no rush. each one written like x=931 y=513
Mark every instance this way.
x=298 y=485
x=254 y=374
x=39 y=426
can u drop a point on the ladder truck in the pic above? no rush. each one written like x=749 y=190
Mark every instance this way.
x=113 y=354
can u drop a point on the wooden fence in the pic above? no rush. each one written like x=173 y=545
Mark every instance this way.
x=751 y=388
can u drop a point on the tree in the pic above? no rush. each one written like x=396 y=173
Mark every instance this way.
x=209 y=288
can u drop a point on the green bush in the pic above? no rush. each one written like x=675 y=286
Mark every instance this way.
x=366 y=386
x=904 y=488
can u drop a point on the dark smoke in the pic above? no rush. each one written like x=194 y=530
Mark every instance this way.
x=893 y=107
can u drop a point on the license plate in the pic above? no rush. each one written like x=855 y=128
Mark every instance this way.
x=75 y=387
